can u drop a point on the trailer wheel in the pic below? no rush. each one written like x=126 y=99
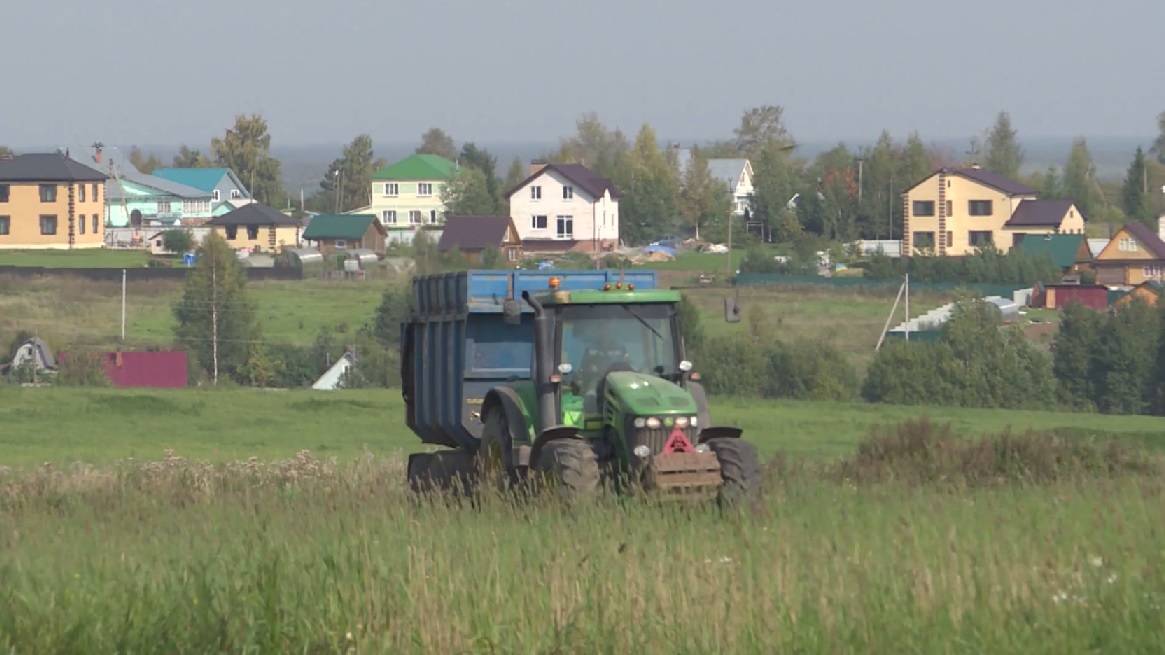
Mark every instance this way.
x=569 y=467
x=494 y=468
x=739 y=469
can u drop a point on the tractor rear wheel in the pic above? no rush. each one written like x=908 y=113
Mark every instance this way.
x=739 y=469
x=569 y=467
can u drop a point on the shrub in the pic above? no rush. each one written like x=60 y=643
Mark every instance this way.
x=986 y=266
x=922 y=452
x=975 y=363
x=804 y=370
x=730 y=365
x=82 y=369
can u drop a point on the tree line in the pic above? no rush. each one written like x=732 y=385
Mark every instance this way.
x=841 y=194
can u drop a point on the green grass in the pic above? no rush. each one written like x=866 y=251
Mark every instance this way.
x=64 y=425
x=82 y=258
x=299 y=553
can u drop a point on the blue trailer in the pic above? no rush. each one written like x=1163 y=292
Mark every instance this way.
x=564 y=374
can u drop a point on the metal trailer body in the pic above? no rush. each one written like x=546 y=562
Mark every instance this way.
x=456 y=344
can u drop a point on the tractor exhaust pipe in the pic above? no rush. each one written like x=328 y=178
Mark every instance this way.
x=543 y=356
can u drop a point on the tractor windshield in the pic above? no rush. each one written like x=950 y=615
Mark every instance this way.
x=598 y=339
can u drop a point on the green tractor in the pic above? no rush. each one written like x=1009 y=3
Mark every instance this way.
x=569 y=380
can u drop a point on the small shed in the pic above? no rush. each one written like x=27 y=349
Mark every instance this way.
x=33 y=353
x=333 y=233
x=1058 y=296
x=165 y=369
x=473 y=235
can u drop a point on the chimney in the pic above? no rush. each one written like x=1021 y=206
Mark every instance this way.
x=535 y=167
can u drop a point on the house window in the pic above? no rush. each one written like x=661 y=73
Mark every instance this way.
x=565 y=227
x=236 y=194
x=567 y=192
x=950 y=239
x=950 y=208
x=81 y=224
x=164 y=207
x=1128 y=244
x=252 y=232
x=392 y=189
x=979 y=207
x=389 y=217
x=48 y=224
x=979 y=238
x=535 y=193
x=232 y=232
x=4 y=192
x=922 y=208
x=96 y=224
x=512 y=254
x=5 y=225
x=214 y=195
x=538 y=222
x=81 y=190
x=158 y=243
x=48 y=193
x=432 y=217
x=341 y=244
x=96 y=197
x=424 y=189
x=415 y=216
x=923 y=239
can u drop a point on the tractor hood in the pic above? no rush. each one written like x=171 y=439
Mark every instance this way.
x=645 y=395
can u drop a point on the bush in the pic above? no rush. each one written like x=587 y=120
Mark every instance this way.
x=987 y=266
x=177 y=241
x=922 y=452
x=802 y=371
x=82 y=369
x=975 y=363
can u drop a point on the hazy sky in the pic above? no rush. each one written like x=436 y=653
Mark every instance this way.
x=169 y=71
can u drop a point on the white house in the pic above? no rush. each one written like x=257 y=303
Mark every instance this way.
x=563 y=207
x=737 y=174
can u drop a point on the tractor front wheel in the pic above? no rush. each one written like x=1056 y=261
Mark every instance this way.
x=494 y=469
x=739 y=469
x=569 y=467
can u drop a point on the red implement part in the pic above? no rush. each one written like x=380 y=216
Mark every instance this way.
x=678 y=443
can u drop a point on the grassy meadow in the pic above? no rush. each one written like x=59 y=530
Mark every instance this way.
x=325 y=552
x=84 y=258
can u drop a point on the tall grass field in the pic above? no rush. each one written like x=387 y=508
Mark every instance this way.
x=237 y=542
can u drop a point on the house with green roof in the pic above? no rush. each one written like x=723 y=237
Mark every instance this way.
x=227 y=192
x=1068 y=251
x=406 y=195
x=333 y=233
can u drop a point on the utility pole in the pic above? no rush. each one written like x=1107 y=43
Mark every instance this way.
x=906 y=325
x=214 y=320
x=861 y=161
x=123 y=305
x=890 y=216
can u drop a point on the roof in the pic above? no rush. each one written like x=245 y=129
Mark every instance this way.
x=586 y=179
x=995 y=180
x=1148 y=237
x=199 y=178
x=339 y=226
x=1062 y=249
x=47 y=167
x=728 y=170
x=254 y=214
x=473 y=232
x=1039 y=213
x=418 y=167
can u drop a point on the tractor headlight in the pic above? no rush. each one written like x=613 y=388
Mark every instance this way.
x=685 y=366
x=695 y=422
x=641 y=451
x=702 y=448
x=653 y=423
x=682 y=421
x=639 y=422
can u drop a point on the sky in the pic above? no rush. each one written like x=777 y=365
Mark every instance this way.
x=168 y=72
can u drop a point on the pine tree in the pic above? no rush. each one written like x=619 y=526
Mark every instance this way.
x=704 y=200
x=1134 y=199
x=215 y=318
x=1075 y=348
x=436 y=142
x=352 y=173
x=246 y=150
x=1126 y=360
x=1004 y=155
x=1080 y=180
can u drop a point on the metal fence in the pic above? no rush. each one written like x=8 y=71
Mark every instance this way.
x=861 y=283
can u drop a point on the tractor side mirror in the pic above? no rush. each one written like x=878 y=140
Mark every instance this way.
x=731 y=311
x=511 y=311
